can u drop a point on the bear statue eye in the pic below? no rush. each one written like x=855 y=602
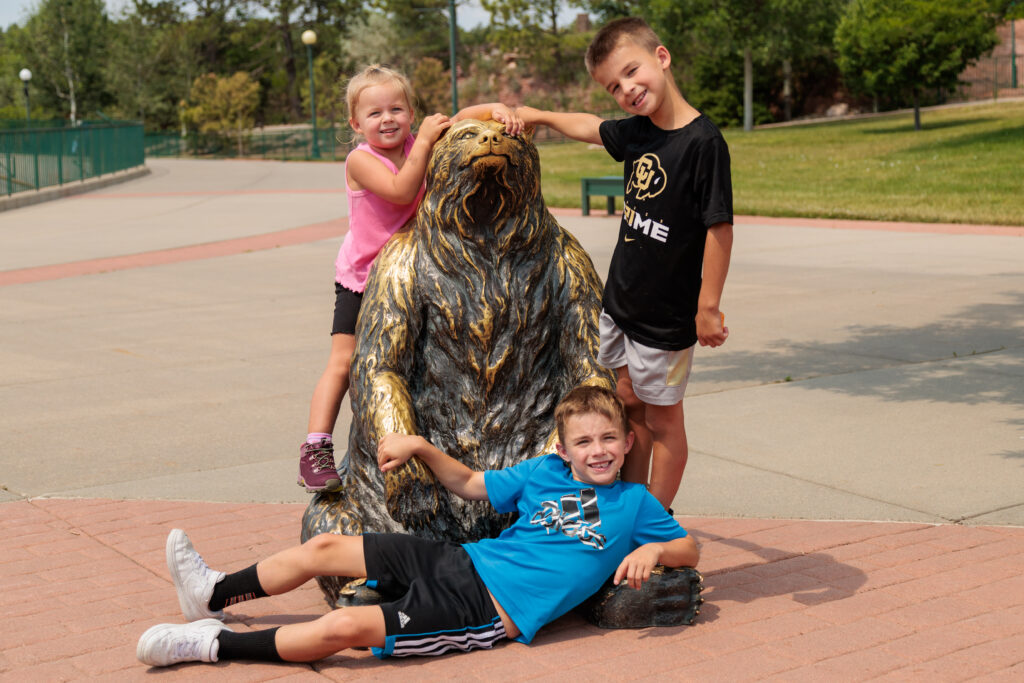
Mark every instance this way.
x=467 y=134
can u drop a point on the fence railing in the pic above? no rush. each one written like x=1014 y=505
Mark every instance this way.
x=34 y=158
x=333 y=143
x=993 y=76
x=288 y=144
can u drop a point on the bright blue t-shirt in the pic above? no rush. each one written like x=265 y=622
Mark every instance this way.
x=569 y=539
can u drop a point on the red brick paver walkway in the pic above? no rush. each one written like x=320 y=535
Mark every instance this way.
x=785 y=600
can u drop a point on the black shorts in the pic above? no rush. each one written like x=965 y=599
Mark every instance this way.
x=346 y=309
x=434 y=599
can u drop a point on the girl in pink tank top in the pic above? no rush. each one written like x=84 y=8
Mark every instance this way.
x=384 y=181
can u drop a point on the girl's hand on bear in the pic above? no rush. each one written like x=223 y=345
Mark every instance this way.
x=433 y=126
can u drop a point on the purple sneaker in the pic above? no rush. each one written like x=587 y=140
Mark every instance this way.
x=316 y=467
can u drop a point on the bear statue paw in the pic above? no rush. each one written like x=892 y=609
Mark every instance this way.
x=412 y=497
x=671 y=597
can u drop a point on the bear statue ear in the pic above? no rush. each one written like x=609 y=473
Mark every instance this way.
x=528 y=132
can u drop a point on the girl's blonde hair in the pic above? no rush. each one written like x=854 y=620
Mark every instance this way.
x=376 y=74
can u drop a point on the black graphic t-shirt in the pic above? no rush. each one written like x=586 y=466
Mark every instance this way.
x=678 y=184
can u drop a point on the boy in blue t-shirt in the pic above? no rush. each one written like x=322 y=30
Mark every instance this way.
x=578 y=524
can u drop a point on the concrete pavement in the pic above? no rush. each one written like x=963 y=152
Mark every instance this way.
x=871 y=374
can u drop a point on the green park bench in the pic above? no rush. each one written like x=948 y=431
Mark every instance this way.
x=608 y=185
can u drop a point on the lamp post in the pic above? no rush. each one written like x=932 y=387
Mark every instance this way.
x=1013 y=48
x=25 y=75
x=309 y=40
x=451 y=55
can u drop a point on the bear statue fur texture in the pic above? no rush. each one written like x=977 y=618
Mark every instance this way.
x=477 y=318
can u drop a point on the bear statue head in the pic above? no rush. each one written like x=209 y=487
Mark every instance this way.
x=481 y=181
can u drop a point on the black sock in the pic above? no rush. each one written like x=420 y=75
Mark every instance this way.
x=258 y=645
x=237 y=587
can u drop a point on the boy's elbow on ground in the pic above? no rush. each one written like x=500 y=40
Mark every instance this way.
x=683 y=553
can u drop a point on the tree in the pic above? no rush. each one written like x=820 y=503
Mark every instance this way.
x=902 y=48
x=419 y=29
x=729 y=56
x=530 y=30
x=283 y=16
x=805 y=30
x=65 y=41
x=431 y=86
x=330 y=90
x=223 y=105
x=149 y=64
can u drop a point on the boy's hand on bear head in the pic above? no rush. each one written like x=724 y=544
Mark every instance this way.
x=514 y=125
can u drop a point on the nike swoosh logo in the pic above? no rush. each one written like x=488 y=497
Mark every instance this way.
x=628 y=239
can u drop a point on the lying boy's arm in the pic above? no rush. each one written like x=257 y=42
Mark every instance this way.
x=578 y=126
x=636 y=567
x=395 y=449
x=711 y=329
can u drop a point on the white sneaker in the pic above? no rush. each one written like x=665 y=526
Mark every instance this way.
x=167 y=644
x=193 y=580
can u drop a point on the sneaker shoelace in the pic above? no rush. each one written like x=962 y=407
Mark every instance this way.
x=190 y=648
x=321 y=458
x=200 y=565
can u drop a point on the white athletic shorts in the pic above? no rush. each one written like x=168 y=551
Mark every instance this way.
x=659 y=377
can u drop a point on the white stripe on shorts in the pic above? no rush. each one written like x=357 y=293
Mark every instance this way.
x=439 y=643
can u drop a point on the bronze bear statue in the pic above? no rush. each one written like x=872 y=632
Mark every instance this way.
x=477 y=318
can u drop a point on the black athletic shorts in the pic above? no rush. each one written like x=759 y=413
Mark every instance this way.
x=346 y=309
x=434 y=599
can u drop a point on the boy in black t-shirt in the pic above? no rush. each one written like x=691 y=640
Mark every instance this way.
x=664 y=286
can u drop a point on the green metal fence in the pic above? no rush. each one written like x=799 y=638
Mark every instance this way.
x=34 y=158
x=288 y=144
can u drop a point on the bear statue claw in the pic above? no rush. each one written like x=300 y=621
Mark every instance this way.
x=412 y=496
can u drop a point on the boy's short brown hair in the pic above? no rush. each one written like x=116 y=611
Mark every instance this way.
x=590 y=399
x=614 y=32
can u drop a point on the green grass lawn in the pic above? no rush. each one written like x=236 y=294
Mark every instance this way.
x=965 y=166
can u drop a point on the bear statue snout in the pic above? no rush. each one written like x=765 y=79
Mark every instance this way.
x=491 y=150
x=491 y=136
x=490 y=139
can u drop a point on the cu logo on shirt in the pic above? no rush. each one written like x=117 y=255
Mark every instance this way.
x=648 y=179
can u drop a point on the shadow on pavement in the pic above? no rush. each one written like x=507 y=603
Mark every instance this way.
x=978 y=332
x=799 y=575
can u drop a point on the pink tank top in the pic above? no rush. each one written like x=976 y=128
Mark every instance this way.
x=371 y=222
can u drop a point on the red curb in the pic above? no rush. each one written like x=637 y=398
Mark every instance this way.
x=888 y=226
x=338 y=227
x=849 y=224
x=201 y=193
x=271 y=240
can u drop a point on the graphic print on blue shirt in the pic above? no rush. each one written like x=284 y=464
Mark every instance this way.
x=575 y=516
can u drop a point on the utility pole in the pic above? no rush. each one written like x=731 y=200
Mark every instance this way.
x=451 y=56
